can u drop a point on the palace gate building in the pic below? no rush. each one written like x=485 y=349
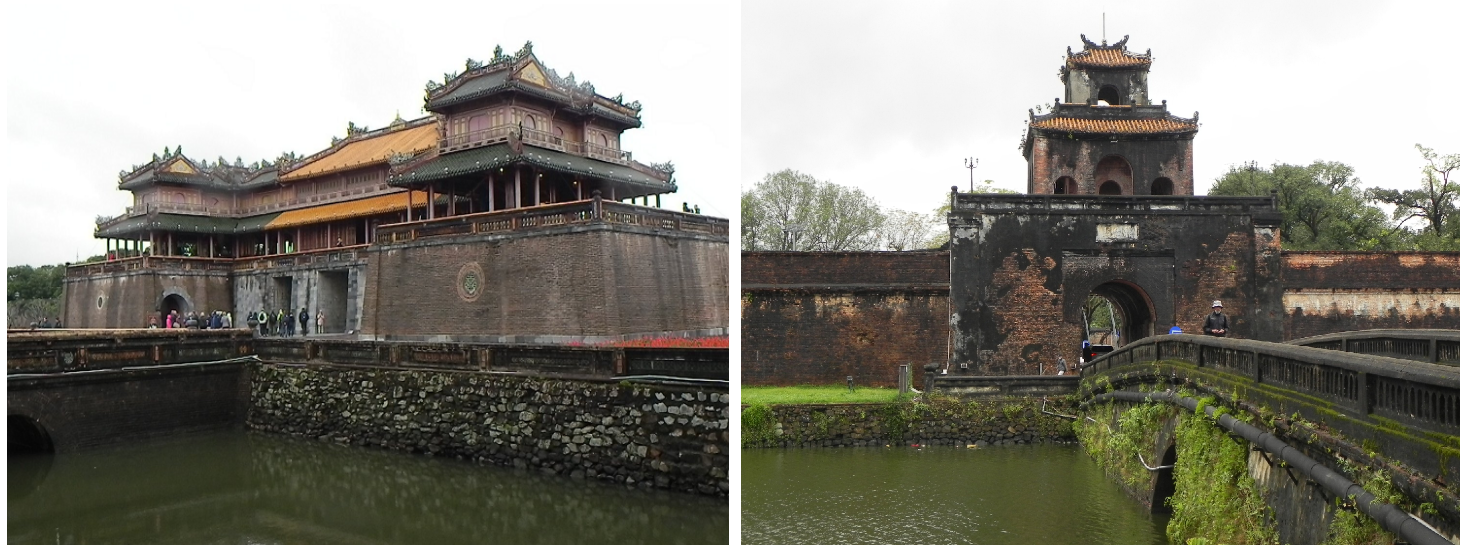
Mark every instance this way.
x=509 y=213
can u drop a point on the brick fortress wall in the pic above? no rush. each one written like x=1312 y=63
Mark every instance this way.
x=591 y=281
x=1329 y=292
x=817 y=317
x=128 y=299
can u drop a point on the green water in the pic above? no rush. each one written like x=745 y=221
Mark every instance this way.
x=1009 y=494
x=239 y=488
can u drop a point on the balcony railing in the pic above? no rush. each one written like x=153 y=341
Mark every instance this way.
x=541 y=139
x=553 y=215
x=341 y=255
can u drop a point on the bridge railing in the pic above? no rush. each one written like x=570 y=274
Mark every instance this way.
x=1422 y=395
x=1440 y=346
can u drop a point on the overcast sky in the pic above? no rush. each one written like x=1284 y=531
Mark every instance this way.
x=97 y=90
x=892 y=99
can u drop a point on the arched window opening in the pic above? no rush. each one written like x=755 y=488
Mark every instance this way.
x=1110 y=95
x=529 y=122
x=1065 y=185
x=1116 y=176
x=1162 y=186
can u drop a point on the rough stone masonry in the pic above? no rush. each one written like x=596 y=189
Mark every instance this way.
x=649 y=436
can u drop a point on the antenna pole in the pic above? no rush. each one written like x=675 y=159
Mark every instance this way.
x=1102 y=28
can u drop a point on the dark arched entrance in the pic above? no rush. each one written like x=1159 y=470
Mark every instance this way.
x=1162 y=186
x=1113 y=174
x=1110 y=95
x=1126 y=315
x=1165 y=485
x=169 y=304
x=27 y=436
x=1065 y=185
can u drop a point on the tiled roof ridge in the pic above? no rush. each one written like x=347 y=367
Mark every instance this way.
x=355 y=134
x=575 y=92
x=1106 y=56
x=219 y=172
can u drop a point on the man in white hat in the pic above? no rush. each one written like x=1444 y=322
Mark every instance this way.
x=1216 y=324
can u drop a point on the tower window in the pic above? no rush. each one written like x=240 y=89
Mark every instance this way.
x=1162 y=186
x=1065 y=185
x=1110 y=187
x=1110 y=95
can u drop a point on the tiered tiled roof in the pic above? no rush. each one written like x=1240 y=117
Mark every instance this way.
x=175 y=168
x=1112 y=56
x=1167 y=125
x=523 y=72
x=367 y=148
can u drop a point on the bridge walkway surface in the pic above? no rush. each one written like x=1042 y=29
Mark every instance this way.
x=1384 y=400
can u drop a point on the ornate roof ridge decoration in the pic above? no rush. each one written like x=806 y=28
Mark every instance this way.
x=353 y=133
x=1098 y=56
x=220 y=172
x=578 y=95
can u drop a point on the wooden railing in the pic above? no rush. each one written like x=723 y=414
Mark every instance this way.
x=533 y=137
x=343 y=255
x=553 y=215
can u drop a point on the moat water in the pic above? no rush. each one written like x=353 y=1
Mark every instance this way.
x=243 y=488
x=1004 y=494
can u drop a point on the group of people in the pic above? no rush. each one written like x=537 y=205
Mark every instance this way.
x=194 y=320
x=283 y=323
x=46 y=323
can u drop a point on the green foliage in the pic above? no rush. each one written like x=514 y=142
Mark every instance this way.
x=1215 y=498
x=757 y=425
x=1436 y=202
x=791 y=211
x=1115 y=448
x=25 y=282
x=1351 y=526
x=1323 y=205
x=812 y=395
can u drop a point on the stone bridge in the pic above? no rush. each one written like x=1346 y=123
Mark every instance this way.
x=1315 y=416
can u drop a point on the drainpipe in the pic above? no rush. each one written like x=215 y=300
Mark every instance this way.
x=1391 y=518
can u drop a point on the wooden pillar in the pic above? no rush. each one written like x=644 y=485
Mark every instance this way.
x=451 y=200
x=656 y=202
x=491 y=191
x=517 y=191
x=211 y=251
x=431 y=201
x=169 y=243
x=298 y=238
x=410 y=202
x=536 y=188
x=579 y=186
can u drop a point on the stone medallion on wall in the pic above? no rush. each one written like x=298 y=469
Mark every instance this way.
x=470 y=281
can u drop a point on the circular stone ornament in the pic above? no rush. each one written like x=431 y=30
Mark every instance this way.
x=470 y=282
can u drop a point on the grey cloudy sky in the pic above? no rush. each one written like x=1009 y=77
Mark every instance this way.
x=97 y=90
x=891 y=98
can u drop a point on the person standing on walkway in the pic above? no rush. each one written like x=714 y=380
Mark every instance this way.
x=304 y=322
x=1216 y=324
x=1061 y=366
x=319 y=323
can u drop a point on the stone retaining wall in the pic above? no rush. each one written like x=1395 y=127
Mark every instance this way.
x=942 y=422
x=669 y=437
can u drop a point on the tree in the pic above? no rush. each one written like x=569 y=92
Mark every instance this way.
x=25 y=282
x=791 y=211
x=905 y=230
x=1323 y=205
x=1436 y=202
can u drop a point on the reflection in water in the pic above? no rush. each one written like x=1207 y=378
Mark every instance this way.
x=245 y=488
x=1008 y=494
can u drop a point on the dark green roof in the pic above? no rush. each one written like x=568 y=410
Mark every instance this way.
x=184 y=223
x=473 y=88
x=496 y=156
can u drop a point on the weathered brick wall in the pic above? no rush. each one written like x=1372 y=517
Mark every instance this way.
x=1024 y=266
x=128 y=299
x=668 y=437
x=818 y=317
x=596 y=281
x=1053 y=158
x=1330 y=292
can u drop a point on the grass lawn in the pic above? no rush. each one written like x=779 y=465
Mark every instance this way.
x=799 y=395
